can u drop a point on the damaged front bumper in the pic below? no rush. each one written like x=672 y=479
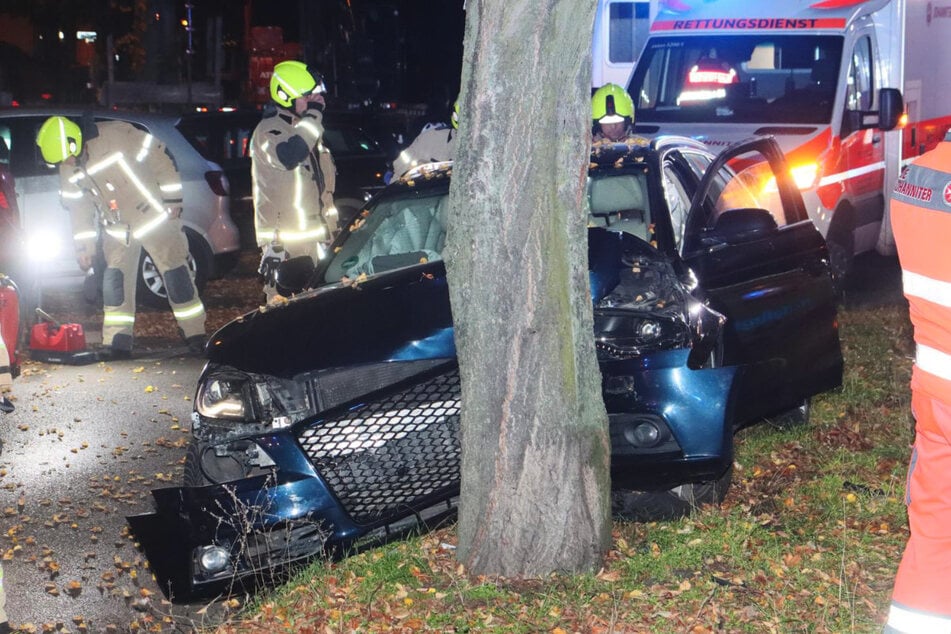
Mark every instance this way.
x=208 y=541
x=359 y=475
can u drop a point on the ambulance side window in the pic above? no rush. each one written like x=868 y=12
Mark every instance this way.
x=860 y=91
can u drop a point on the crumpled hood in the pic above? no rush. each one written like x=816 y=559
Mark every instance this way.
x=616 y=258
x=405 y=314
x=398 y=315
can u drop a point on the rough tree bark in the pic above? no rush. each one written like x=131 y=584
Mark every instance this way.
x=535 y=448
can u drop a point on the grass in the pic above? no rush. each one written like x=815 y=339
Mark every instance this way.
x=808 y=539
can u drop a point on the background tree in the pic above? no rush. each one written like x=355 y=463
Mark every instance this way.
x=535 y=448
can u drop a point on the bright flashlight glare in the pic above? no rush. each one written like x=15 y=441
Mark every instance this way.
x=43 y=246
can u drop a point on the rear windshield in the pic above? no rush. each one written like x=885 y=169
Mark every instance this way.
x=762 y=78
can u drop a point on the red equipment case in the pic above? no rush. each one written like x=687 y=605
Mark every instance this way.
x=59 y=343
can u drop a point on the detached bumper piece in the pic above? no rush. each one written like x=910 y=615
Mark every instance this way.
x=373 y=472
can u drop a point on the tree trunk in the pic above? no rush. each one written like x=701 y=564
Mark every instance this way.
x=535 y=447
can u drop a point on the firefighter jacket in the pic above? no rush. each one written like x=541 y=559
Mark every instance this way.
x=435 y=143
x=921 y=219
x=293 y=179
x=124 y=181
x=628 y=138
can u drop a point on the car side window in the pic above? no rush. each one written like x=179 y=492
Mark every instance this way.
x=4 y=144
x=749 y=184
x=678 y=200
x=25 y=157
x=860 y=87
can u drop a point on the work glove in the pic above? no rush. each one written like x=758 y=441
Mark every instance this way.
x=273 y=255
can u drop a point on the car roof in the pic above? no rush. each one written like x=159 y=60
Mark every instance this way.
x=161 y=125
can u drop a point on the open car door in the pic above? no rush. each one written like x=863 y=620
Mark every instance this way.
x=764 y=265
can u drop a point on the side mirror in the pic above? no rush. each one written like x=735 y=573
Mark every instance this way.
x=891 y=107
x=294 y=275
x=741 y=225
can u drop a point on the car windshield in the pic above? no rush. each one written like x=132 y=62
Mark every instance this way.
x=408 y=226
x=398 y=230
x=737 y=79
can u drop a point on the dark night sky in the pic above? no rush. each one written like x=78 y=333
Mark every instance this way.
x=413 y=47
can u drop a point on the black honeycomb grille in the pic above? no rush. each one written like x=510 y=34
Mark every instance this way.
x=386 y=456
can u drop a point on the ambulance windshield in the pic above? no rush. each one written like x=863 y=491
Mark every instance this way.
x=762 y=78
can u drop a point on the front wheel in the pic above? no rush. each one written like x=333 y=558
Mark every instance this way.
x=797 y=416
x=651 y=506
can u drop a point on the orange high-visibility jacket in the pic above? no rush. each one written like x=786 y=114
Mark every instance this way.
x=921 y=220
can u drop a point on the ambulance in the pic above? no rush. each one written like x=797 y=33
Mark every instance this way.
x=851 y=89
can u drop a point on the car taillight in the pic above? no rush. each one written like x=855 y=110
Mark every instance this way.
x=4 y=203
x=218 y=182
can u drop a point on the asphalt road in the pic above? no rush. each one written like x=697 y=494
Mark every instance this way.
x=82 y=451
x=86 y=445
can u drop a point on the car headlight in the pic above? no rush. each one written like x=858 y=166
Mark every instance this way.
x=624 y=334
x=226 y=396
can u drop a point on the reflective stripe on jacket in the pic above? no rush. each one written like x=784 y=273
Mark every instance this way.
x=293 y=179
x=432 y=145
x=921 y=220
x=125 y=179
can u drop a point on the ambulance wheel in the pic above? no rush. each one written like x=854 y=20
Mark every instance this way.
x=840 y=244
x=151 y=288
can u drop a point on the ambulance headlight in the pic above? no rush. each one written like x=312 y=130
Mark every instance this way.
x=226 y=395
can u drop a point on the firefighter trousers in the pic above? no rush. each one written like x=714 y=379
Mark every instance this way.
x=921 y=599
x=168 y=247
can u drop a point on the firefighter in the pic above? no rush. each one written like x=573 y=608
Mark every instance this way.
x=436 y=142
x=292 y=172
x=612 y=111
x=119 y=182
x=921 y=220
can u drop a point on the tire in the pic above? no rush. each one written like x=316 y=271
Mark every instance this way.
x=840 y=244
x=150 y=286
x=199 y=473
x=680 y=501
x=797 y=416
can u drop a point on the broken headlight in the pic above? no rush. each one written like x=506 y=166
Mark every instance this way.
x=226 y=396
x=243 y=397
x=643 y=313
x=623 y=334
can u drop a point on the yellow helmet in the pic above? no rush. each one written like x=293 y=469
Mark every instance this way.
x=455 y=115
x=59 y=138
x=611 y=104
x=293 y=79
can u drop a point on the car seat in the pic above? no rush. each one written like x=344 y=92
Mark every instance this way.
x=619 y=203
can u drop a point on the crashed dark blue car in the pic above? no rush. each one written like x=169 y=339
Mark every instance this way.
x=331 y=420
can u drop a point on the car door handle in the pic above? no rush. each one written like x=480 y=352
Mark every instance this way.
x=876 y=139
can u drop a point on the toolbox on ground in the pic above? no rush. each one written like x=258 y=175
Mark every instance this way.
x=52 y=342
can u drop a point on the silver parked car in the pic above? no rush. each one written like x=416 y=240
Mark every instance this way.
x=212 y=235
